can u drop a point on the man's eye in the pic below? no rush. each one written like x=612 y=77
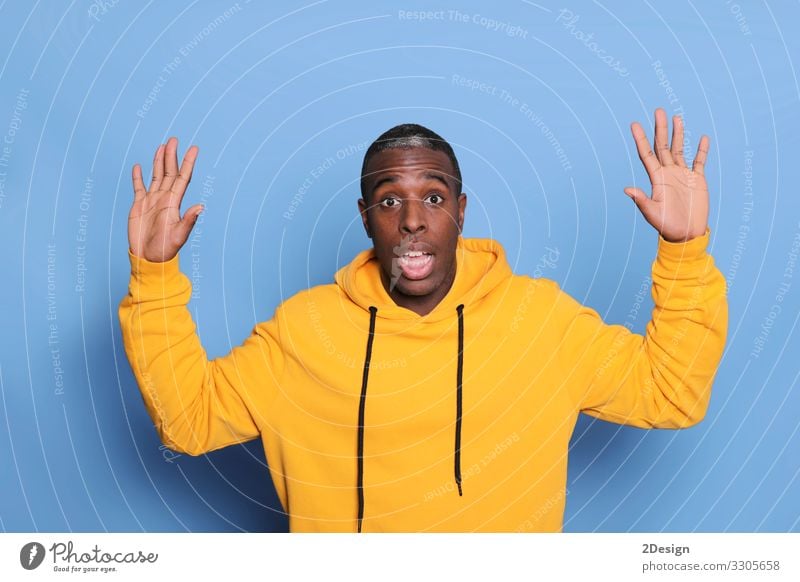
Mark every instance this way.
x=390 y=202
x=435 y=198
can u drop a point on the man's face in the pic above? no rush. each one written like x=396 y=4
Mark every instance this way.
x=412 y=205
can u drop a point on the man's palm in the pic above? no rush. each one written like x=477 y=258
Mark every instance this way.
x=156 y=230
x=678 y=208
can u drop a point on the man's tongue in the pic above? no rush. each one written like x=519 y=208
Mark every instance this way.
x=416 y=267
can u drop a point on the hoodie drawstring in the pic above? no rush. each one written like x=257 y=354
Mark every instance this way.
x=460 y=310
x=361 y=406
x=363 y=402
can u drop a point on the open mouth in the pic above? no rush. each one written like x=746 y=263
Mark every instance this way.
x=416 y=264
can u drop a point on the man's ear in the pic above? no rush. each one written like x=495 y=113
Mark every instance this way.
x=362 y=208
x=462 y=207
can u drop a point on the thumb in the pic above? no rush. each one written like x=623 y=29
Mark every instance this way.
x=188 y=221
x=642 y=201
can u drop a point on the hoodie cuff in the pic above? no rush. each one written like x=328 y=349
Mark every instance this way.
x=684 y=257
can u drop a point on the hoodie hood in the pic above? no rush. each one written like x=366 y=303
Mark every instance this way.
x=481 y=266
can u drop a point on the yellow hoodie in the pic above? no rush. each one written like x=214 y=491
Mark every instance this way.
x=374 y=418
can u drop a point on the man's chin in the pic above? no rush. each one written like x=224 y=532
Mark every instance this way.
x=416 y=287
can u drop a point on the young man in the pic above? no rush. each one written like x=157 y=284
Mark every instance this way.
x=428 y=388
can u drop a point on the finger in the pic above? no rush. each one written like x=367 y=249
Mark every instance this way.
x=185 y=173
x=637 y=195
x=170 y=163
x=158 y=169
x=699 y=164
x=139 y=190
x=677 y=141
x=646 y=154
x=188 y=221
x=661 y=140
x=643 y=202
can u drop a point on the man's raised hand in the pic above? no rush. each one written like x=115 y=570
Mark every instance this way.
x=156 y=230
x=678 y=208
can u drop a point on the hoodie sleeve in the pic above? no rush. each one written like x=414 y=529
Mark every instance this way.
x=197 y=405
x=661 y=379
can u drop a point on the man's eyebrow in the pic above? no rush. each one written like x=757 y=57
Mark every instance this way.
x=384 y=180
x=430 y=175
x=437 y=176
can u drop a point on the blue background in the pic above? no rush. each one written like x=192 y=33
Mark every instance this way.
x=270 y=93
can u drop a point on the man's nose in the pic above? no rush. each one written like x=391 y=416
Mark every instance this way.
x=413 y=218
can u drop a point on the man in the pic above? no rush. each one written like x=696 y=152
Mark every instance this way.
x=427 y=388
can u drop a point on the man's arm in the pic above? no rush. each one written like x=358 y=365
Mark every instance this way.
x=197 y=405
x=661 y=379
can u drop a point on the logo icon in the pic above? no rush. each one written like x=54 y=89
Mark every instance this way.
x=31 y=555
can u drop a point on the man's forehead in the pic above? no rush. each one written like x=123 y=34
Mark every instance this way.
x=420 y=161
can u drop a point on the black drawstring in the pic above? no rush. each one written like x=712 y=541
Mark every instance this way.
x=363 y=402
x=361 y=406
x=460 y=310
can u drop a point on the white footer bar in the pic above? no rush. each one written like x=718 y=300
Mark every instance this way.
x=406 y=557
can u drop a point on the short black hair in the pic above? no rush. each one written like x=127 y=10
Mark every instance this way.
x=407 y=136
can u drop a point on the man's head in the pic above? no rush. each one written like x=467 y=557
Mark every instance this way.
x=411 y=202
